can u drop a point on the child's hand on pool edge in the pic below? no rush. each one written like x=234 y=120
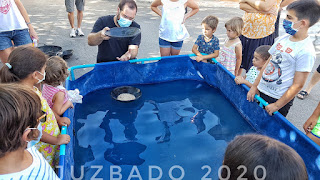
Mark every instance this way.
x=63 y=139
x=310 y=123
x=63 y=121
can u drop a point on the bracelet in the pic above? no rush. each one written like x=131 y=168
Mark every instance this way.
x=28 y=23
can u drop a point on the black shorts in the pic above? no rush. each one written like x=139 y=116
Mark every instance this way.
x=284 y=110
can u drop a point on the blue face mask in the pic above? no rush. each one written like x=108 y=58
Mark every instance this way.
x=34 y=142
x=123 y=22
x=288 y=26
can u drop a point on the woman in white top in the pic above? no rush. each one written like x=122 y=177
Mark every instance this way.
x=15 y=26
x=20 y=130
x=172 y=31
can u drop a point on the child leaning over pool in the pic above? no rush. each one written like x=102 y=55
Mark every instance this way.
x=231 y=52
x=207 y=43
x=260 y=57
x=20 y=129
x=53 y=90
x=292 y=59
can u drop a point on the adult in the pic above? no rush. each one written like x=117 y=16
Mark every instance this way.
x=113 y=49
x=15 y=27
x=172 y=31
x=259 y=26
x=70 y=9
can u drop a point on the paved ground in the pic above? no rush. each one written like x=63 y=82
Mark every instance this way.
x=50 y=21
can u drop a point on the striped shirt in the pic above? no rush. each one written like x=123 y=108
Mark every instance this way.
x=48 y=93
x=39 y=169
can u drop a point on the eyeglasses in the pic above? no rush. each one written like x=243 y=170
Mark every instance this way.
x=42 y=118
x=127 y=17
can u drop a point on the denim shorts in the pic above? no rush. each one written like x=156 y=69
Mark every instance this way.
x=166 y=44
x=19 y=37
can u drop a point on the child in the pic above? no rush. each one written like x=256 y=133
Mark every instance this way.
x=172 y=31
x=262 y=156
x=53 y=91
x=26 y=65
x=231 y=51
x=207 y=43
x=312 y=126
x=20 y=112
x=260 y=57
x=293 y=56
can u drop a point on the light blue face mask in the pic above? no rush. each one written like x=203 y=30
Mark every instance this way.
x=123 y=22
x=35 y=141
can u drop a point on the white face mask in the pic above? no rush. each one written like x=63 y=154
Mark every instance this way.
x=44 y=77
x=33 y=142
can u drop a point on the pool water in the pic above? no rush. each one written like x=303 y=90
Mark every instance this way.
x=175 y=129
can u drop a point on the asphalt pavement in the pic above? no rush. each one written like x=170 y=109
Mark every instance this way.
x=50 y=21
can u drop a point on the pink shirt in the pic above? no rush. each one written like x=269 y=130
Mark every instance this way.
x=48 y=93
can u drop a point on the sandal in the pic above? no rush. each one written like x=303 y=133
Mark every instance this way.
x=302 y=95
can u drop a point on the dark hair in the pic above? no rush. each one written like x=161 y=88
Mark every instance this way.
x=211 y=21
x=131 y=4
x=280 y=161
x=56 y=71
x=24 y=60
x=235 y=24
x=263 y=51
x=20 y=107
x=306 y=9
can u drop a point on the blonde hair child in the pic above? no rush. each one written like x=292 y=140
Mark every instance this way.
x=231 y=52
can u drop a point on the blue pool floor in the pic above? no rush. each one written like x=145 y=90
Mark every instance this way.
x=180 y=123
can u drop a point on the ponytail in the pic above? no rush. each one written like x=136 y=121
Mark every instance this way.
x=22 y=62
x=6 y=76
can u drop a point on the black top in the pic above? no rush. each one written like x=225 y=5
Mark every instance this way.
x=108 y=50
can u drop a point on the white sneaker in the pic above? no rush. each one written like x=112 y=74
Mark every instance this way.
x=73 y=33
x=79 y=32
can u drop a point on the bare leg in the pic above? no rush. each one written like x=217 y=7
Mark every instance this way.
x=4 y=54
x=79 y=18
x=71 y=19
x=175 y=51
x=314 y=80
x=165 y=51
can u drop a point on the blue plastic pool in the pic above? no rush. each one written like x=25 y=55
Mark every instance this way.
x=117 y=139
x=171 y=121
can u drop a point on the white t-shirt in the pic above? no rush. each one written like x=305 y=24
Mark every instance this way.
x=287 y=58
x=171 y=28
x=10 y=17
x=39 y=169
x=252 y=74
